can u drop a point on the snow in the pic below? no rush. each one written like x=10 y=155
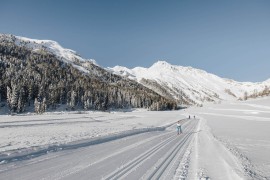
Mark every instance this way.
x=63 y=54
x=231 y=140
x=211 y=153
x=267 y=81
x=141 y=156
x=195 y=83
x=32 y=131
x=233 y=137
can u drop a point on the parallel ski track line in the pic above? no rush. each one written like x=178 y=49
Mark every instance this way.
x=139 y=159
x=76 y=169
x=171 y=169
x=56 y=148
x=167 y=139
x=168 y=158
x=131 y=165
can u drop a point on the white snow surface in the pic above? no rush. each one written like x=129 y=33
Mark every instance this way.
x=195 y=83
x=231 y=141
x=30 y=131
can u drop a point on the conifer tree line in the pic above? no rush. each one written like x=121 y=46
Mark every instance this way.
x=40 y=79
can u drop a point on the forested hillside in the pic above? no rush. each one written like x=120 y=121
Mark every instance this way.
x=38 y=77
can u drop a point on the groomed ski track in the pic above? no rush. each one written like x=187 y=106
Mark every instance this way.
x=149 y=155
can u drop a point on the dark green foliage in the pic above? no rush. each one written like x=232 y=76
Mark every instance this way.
x=40 y=78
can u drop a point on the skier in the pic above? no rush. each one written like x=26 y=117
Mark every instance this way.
x=179 y=129
x=189 y=117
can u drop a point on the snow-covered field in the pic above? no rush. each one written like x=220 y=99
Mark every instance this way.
x=31 y=131
x=231 y=141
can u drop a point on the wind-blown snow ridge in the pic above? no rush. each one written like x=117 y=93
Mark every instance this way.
x=190 y=85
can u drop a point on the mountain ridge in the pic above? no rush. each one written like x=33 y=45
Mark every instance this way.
x=186 y=85
x=41 y=74
x=197 y=85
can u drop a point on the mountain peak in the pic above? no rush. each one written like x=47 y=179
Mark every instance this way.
x=196 y=86
x=161 y=63
x=63 y=54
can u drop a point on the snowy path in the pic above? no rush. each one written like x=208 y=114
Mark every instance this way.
x=149 y=155
x=234 y=137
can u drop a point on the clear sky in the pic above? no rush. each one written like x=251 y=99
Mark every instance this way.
x=230 y=38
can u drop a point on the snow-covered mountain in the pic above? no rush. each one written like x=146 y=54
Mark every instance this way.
x=189 y=85
x=44 y=75
x=65 y=55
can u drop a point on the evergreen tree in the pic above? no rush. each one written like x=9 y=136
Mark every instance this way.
x=43 y=106
x=9 y=96
x=37 y=106
x=73 y=100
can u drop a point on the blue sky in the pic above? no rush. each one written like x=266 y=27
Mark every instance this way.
x=229 y=38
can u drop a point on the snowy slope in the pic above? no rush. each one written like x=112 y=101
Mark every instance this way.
x=190 y=85
x=66 y=55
